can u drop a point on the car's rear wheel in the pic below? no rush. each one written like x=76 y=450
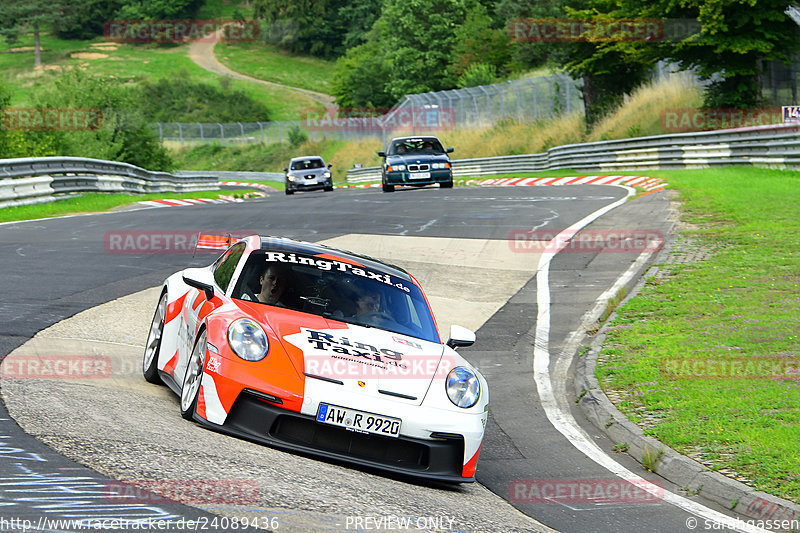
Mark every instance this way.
x=153 y=346
x=193 y=376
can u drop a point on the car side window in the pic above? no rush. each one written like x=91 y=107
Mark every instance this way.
x=223 y=273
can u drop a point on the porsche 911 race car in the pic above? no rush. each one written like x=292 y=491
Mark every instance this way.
x=310 y=348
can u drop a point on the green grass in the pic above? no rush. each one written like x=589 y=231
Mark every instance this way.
x=130 y=63
x=739 y=305
x=96 y=203
x=269 y=63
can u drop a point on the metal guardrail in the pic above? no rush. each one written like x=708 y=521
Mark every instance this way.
x=36 y=179
x=232 y=175
x=776 y=146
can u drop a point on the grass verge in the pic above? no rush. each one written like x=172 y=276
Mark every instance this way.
x=269 y=63
x=96 y=203
x=706 y=357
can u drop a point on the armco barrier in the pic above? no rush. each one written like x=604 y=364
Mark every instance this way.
x=776 y=146
x=34 y=179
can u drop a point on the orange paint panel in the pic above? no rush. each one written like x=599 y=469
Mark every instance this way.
x=340 y=259
x=201 y=402
x=169 y=368
x=174 y=308
x=472 y=464
x=199 y=299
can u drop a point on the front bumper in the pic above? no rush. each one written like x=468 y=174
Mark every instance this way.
x=309 y=184
x=412 y=178
x=257 y=419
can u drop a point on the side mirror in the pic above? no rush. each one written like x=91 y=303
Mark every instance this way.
x=382 y=154
x=207 y=289
x=286 y=170
x=330 y=165
x=460 y=336
x=449 y=150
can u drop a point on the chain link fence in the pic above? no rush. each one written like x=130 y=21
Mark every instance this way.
x=524 y=100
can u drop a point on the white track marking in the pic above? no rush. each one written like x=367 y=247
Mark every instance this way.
x=562 y=419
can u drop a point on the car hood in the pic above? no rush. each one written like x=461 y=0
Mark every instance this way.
x=416 y=158
x=366 y=359
x=316 y=172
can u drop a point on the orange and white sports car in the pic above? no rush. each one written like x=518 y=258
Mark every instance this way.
x=310 y=348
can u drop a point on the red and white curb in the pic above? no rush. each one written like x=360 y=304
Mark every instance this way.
x=248 y=184
x=174 y=202
x=167 y=202
x=646 y=183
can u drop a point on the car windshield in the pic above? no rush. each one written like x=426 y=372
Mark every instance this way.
x=424 y=145
x=307 y=164
x=336 y=289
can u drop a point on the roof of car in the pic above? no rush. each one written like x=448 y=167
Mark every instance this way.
x=310 y=248
x=415 y=137
x=306 y=157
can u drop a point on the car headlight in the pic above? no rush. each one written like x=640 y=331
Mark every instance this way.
x=248 y=340
x=396 y=168
x=326 y=174
x=463 y=387
x=440 y=165
x=291 y=178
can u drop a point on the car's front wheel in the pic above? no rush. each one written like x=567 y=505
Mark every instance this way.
x=289 y=191
x=193 y=376
x=447 y=184
x=153 y=345
x=386 y=187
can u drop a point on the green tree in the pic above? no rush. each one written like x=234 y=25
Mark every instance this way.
x=478 y=42
x=610 y=68
x=358 y=17
x=417 y=38
x=21 y=15
x=309 y=26
x=360 y=78
x=738 y=37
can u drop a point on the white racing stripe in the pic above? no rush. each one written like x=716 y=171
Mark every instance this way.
x=562 y=419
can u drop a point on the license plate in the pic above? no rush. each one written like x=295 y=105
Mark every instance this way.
x=419 y=175
x=359 y=421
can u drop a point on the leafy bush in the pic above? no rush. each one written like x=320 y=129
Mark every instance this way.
x=297 y=136
x=124 y=134
x=478 y=74
x=179 y=99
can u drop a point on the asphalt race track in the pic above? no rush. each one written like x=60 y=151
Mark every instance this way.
x=462 y=244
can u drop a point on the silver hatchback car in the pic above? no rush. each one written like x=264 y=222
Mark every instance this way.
x=308 y=173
